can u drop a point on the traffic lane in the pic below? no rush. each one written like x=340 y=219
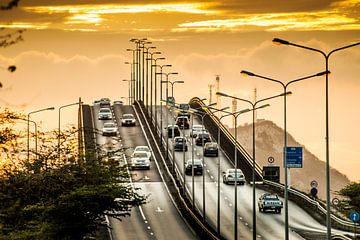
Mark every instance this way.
x=132 y=136
x=98 y=125
x=164 y=218
x=131 y=227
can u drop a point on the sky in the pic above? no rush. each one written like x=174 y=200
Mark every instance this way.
x=75 y=49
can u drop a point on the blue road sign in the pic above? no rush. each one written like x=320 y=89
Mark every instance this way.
x=294 y=157
x=354 y=216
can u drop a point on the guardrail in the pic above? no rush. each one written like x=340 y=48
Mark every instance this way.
x=227 y=142
x=313 y=207
x=203 y=229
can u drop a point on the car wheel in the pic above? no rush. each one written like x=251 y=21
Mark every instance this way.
x=279 y=210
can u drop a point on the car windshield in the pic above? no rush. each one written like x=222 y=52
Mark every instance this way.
x=180 y=140
x=146 y=149
x=104 y=110
x=271 y=197
x=196 y=162
x=140 y=155
x=128 y=116
x=204 y=135
x=211 y=145
x=109 y=125
x=198 y=127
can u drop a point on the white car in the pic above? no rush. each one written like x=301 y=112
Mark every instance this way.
x=229 y=176
x=196 y=129
x=140 y=159
x=104 y=102
x=109 y=129
x=143 y=149
x=105 y=114
x=128 y=119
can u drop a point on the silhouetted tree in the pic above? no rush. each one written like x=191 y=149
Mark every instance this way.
x=57 y=198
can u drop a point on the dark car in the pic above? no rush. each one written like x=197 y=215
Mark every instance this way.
x=198 y=167
x=171 y=129
x=202 y=138
x=182 y=122
x=180 y=144
x=184 y=110
x=211 y=149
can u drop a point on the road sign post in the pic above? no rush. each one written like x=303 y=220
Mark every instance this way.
x=294 y=157
x=355 y=217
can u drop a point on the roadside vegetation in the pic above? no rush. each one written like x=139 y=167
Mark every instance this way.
x=52 y=197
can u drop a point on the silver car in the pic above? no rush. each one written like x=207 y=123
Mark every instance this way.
x=109 y=129
x=230 y=177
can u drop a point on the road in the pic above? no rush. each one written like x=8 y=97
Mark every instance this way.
x=158 y=218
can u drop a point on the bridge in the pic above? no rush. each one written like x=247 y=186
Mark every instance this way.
x=198 y=207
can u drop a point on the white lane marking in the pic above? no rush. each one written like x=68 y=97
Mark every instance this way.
x=158 y=209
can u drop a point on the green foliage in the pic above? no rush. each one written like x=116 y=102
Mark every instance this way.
x=352 y=192
x=49 y=197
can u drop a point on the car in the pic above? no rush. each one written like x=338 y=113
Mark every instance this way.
x=269 y=201
x=140 y=160
x=229 y=176
x=184 y=110
x=180 y=144
x=202 y=138
x=211 y=149
x=104 y=102
x=109 y=129
x=198 y=167
x=104 y=114
x=171 y=129
x=143 y=149
x=128 y=119
x=182 y=122
x=196 y=129
x=119 y=102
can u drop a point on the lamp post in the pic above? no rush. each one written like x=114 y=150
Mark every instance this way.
x=246 y=73
x=138 y=70
x=130 y=81
x=172 y=117
x=155 y=89
x=151 y=79
x=59 y=132
x=132 y=73
x=202 y=143
x=10 y=68
x=254 y=154
x=326 y=56
x=161 y=117
x=167 y=116
x=142 y=82
x=28 y=131
x=28 y=121
x=147 y=75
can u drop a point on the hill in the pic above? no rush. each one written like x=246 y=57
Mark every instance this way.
x=270 y=142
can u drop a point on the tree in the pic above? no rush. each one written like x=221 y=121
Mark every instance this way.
x=352 y=192
x=52 y=198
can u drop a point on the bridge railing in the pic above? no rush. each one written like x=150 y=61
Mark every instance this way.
x=227 y=141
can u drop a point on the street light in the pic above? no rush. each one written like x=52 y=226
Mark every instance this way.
x=279 y=41
x=137 y=49
x=172 y=117
x=167 y=119
x=155 y=89
x=254 y=154
x=130 y=81
x=142 y=82
x=146 y=103
x=132 y=75
x=35 y=135
x=151 y=79
x=246 y=73
x=161 y=73
x=59 y=133
x=202 y=143
x=28 y=131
